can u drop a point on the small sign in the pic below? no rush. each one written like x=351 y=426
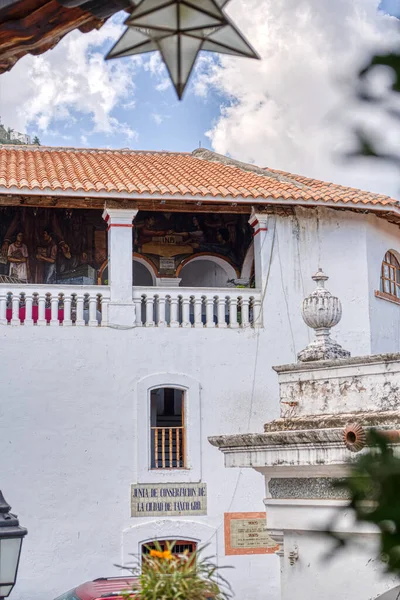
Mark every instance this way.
x=167 y=264
x=246 y=533
x=168 y=500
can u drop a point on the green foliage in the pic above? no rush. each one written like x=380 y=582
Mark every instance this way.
x=36 y=141
x=165 y=576
x=374 y=491
x=384 y=103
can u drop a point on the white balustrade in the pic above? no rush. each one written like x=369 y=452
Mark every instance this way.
x=187 y=307
x=30 y=304
x=174 y=307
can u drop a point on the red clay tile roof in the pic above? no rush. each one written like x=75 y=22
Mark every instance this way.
x=199 y=174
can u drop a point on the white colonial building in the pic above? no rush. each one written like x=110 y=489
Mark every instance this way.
x=329 y=402
x=159 y=290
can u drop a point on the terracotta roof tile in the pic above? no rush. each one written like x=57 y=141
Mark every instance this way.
x=201 y=173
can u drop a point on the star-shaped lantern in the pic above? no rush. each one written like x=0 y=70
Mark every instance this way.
x=179 y=29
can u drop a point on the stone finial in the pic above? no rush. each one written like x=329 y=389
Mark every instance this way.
x=321 y=311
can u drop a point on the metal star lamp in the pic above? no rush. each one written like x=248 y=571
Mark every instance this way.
x=179 y=30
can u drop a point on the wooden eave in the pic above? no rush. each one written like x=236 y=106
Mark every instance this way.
x=285 y=208
x=35 y=26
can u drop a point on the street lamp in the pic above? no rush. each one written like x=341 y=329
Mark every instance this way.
x=11 y=535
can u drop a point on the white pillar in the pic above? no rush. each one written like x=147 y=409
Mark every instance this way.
x=261 y=224
x=121 y=309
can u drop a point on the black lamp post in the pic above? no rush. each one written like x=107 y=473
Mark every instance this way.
x=11 y=536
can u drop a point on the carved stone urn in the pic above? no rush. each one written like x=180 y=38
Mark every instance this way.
x=322 y=311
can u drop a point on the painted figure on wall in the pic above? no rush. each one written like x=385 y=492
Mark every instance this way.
x=46 y=255
x=18 y=258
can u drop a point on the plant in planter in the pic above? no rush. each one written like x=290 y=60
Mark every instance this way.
x=164 y=575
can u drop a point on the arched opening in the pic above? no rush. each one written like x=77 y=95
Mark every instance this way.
x=206 y=271
x=143 y=272
x=390 y=274
x=167 y=422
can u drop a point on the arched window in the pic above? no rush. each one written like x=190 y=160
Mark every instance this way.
x=390 y=275
x=167 y=422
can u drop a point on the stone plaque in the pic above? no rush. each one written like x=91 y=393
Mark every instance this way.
x=168 y=499
x=167 y=264
x=245 y=533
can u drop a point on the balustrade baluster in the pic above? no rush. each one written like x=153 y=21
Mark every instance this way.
x=93 y=310
x=233 y=321
x=198 y=312
x=15 y=320
x=104 y=311
x=161 y=311
x=138 y=311
x=244 y=305
x=42 y=309
x=3 y=308
x=257 y=312
x=149 y=311
x=210 y=312
x=67 y=301
x=54 y=310
x=80 y=321
x=174 y=312
x=28 y=321
x=222 y=313
x=186 y=312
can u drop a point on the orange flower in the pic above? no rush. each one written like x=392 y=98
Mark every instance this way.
x=167 y=554
x=157 y=553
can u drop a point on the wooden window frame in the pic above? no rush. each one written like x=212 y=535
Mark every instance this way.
x=167 y=454
x=390 y=277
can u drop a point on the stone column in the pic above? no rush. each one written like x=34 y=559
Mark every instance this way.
x=262 y=245
x=121 y=310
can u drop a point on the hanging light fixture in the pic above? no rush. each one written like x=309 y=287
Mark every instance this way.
x=179 y=29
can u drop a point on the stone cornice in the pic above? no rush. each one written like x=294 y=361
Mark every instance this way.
x=336 y=363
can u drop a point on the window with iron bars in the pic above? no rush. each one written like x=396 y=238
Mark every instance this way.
x=180 y=546
x=167 y=429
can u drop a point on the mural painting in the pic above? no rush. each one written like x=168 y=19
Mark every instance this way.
x=44 y=245
x=69 y=246
x=168 y=238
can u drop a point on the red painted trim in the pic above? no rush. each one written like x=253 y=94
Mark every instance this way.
x=254 y=222
x=119 y=225
x=260 y=229
x=106 y=218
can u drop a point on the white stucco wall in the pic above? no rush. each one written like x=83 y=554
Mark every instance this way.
x=319 y=570
x=70 y=414
x=384 y=315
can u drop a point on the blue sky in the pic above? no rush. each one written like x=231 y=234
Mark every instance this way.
x=290 y=111
x=160 y=120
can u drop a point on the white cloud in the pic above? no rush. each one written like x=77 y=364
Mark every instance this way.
x=291 y=110
x=72 y=78
x=157 y=118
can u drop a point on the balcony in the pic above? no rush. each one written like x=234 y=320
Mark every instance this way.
x=87 y=306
